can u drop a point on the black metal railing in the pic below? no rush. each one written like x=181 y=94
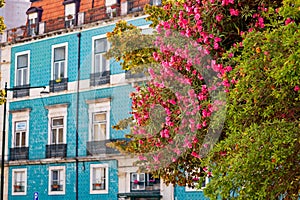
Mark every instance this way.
x=56 y=150
x=19 y=92
x=58 y=85
x=99 y=78
x=99 y=148
x=19 y=153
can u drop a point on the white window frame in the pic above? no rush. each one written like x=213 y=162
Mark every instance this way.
x=138 y=175
x=23 y=170
x=62 y=178
x=57 y=128
x=65 y=61
x=92 y=167
x=33 y=19
x=98 y=108
x=21 y=132
x=28 y=67
x=20 y=116
x=57 y=111
x=70 y=9
x=102 y=54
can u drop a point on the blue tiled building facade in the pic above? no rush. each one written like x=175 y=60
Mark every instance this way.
x=57 y=136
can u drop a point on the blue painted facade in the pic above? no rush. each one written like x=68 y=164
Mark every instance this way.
x=37 y=164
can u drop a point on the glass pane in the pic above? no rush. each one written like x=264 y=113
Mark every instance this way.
x=17 y=139
x=59 y=53
x=104 y=63
x=23 y=139
x=62 y=69
x=19 y=77
x=97 y=175
x=98 y=117
x=56 y=71
x=53 y=135
x=142 y=178
x=20 y=126
x=22 y=61
x=133 y=177
x=24 y=76
x=58 y=122
x=102 y=131
x=55 y=176
x=97 y=63
x=100 y=45
x=61 y=135
x=96 y=134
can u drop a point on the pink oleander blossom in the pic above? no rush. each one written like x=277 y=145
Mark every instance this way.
x=233 y=12
x=296 y=88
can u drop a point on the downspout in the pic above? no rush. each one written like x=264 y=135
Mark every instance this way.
x=77 y=111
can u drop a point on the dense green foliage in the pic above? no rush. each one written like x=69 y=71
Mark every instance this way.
x=253 y=48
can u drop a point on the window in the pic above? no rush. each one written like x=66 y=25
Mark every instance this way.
x=20 y=134
x=98 y=178
x=138 y=181
x=57 y=132
x=22 y=69
x=57 y=180
x=20 y=120
x=101 y=64
x=19 y=181
x=70 y=12
x=59 y=63
x=99 y=126
x=33 y=23
x=57 y=116
x=99 y=120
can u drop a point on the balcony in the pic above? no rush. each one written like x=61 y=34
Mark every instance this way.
x=129 y=75
x=21 y=91
x=56 y=151
x=19 y=153
x=58 y=85
x=100 y=148
x=100 y=78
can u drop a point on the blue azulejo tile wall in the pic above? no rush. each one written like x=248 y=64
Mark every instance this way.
x=38 y=181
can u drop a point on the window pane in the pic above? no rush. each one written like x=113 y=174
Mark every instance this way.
x=102 y=131
x=22 y=61
x=58 y=122
x=61 y=135
x=53 y=135
x=24 y=76
x=99 y=117
x=59 y=53
x=19 y=77
x=104 y=63
x=56 y=71
x=96 y=133
x=97 y=63
x=100 y=45
x=142 y=178
x=23 y=139
x=62 y=69
x=17 y=140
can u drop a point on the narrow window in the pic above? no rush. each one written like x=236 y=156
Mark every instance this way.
x=22 y=70
x=99 y=126
x=19 y=181
x=59 y=63
x=57 y=136
x=98 y=178
x=20 y=134
x=100 y=62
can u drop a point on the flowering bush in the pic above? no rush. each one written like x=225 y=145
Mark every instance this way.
x=203 y=49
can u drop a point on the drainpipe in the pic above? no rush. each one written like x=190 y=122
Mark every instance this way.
x=77 y=111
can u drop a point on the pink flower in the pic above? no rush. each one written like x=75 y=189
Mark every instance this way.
x=234 y=12
x=136 y=182
x=296 y=88
x=288 y=21
x=195 y=154
x=219 y=18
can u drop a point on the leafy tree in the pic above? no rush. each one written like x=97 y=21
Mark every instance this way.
x=2 y=27
x=250 y=50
